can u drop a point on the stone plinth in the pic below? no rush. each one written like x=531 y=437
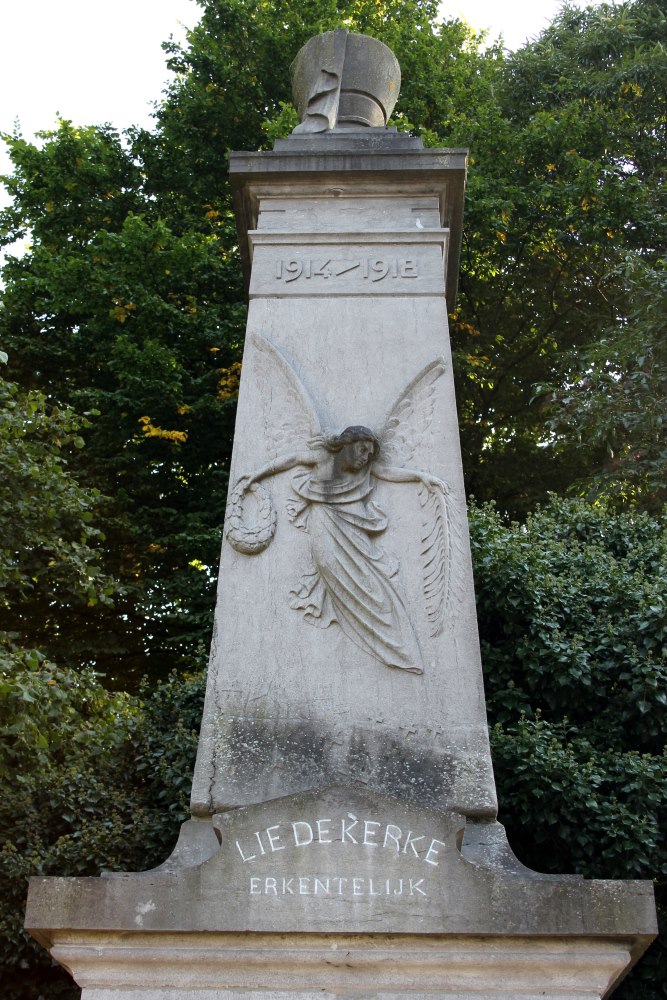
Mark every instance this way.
x=377 y=967
x=343 y=892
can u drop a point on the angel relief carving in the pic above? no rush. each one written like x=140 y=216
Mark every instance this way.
x=353 y=580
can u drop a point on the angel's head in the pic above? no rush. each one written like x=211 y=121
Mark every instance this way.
x=357 y=447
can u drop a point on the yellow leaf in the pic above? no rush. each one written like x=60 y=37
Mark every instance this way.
x=228 y=385
x=121 y=311
x=118 y=313
x=151 y=431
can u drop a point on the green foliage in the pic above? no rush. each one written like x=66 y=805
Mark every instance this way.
x=619 y=399
x=123 y=322
x=572 y=806
x=572 y=618
x=126 y=321
x=92 y=780
x=572 y=603
x=566 y=180
x=129 y=299
x=101 y=780
x=550 y=770
x=49 y=544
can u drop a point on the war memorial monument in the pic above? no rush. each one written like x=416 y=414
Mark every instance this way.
x=343 y=839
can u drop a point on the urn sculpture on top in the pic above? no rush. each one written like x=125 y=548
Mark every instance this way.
x=344 y=80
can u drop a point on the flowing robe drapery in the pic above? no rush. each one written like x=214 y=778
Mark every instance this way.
x=352 y=578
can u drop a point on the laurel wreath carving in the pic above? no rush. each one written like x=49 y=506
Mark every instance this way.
x=250 y=531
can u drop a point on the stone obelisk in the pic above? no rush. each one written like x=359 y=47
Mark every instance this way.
x=343 y=837
x=346 y=649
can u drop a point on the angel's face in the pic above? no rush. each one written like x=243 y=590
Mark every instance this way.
x=356 y=455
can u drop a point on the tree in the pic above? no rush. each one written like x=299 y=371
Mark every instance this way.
x=573 y=619
x=128 y=307
x=567 y=185
x=130 y=302
x=49 y=545
x=92 y=780
x=113 y=313
x=618 y=399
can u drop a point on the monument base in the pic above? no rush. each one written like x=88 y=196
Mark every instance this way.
x=341 y=892
x=209 y=966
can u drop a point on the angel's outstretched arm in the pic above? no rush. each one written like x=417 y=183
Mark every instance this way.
x=282 y=464
x=394 y=474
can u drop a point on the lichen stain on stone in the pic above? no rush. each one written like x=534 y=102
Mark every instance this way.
x=268 y=758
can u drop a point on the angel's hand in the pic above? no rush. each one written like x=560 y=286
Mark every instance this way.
x=434 y=484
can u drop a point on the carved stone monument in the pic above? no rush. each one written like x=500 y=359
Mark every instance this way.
x=343 y=837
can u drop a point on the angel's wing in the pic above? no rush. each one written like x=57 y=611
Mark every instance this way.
x=409 y=421
x=299 y=423
x=441 y=544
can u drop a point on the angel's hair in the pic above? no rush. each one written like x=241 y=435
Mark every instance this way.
x=351 y=434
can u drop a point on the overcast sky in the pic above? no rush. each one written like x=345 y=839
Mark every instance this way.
x=99 y=62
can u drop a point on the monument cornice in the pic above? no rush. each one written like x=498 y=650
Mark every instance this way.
x=381 y=166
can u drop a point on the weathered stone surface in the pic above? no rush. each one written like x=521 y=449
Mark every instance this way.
x=374 y=140
x=339 y=887
x=361 y=967
x=344 y=862
x=376 y=678
x=344 y=79
x=330 y=166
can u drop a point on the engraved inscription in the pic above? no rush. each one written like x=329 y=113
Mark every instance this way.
x=352 y=580
x=353 y=837
x=313 y=885
x=348 y=830
x=371 y=269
